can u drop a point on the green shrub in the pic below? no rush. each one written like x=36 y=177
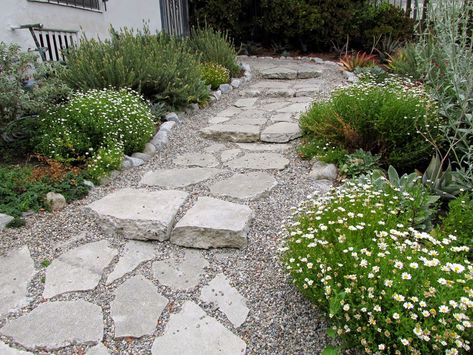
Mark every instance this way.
x=381 y=118
x=459 y=221
x=214 y=74
x=159 y=67
x=213 y=46
x=386 y=287
x=22 y=191
x=96 y=128
x=405 y=62
x=359 y=162
x=325 y=152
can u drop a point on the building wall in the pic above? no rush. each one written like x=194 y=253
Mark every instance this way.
x=120 y=13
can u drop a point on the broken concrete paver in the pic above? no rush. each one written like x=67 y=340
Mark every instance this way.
x=245 y=186
x=232 y=132
x=281 y=132
x=261 y=161
x=196 y=159
x=178 y=177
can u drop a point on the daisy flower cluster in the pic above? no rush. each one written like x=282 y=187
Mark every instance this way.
x=97 y=128
x=386 y=287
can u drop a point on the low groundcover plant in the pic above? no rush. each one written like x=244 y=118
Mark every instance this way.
x=387 y=287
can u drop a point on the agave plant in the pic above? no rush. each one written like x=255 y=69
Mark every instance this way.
x=445 y=183
x=351 y=61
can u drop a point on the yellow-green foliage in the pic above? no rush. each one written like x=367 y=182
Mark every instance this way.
x=214 y=74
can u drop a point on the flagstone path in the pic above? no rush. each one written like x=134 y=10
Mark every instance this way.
x=179 y=255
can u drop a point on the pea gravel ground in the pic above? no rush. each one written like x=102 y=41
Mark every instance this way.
x=280 y=320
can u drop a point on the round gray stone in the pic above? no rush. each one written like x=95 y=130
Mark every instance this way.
x=260 y=161
x=245 y=186
x=136 y=308
x=323 y=171
x=55 y=325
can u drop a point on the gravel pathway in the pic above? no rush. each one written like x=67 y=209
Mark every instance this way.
x=70 y=271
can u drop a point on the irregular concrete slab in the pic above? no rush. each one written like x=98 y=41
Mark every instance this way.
x=256 y=147
x=281 y=132
x=259 y=161
x=138 y=213
x=232 y=132
x=229 y=112
x=296 y=108
x=227 y=298
x=323 y=171
x=278 y=73
x=98 y=349
x=136 y=308
x=55 y=325
x=250 y=114
x=249 y=102
x=181 y=274
x=271 y=84
x=282 y=117
x=248 y=121
x=191 y=332
x=213 y=223
x=17 y=269
x=181 y=177
x=134 y=253
x=229 y=154
x=245 y=186
x=214 y=148
x=218 y=119
x=280 y=92
x=274 y=105
x=4 y=220
x=79 y=269
x=6 y=350
x=308 y=73
x=196 y=159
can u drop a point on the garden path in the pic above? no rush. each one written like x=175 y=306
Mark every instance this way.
x=72 y=284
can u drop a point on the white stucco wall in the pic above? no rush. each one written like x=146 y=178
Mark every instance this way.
x=120 y=13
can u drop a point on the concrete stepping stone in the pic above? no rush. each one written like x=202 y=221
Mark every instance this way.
x=282 y=117
x=274 y=105
x=214 y=148
x=232 y=132
x=136 y=308
x=281 y=132
x=180 y=177
x=278 y=73
x=6 y=350
x=138 y=213
x=192 y=331
x=260 y=161
x=296 y=108
x=98 y=349
x=257 y=147
x=229 y=154
x=245 y=186
x=56 y=325
x=271 y=84
x=16 y=271
x=181 y=274
x=196 y=159
x=218 y=119
x=134 y=253
x=227 y=298
x=248 y=102
x=229 y=112
x=250 y=113
x=79 y=269
x=257 y=121
x=213 y=223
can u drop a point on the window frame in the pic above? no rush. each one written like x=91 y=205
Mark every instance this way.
x=64 y=3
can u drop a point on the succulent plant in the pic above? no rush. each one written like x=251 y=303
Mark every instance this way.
x=445 y=183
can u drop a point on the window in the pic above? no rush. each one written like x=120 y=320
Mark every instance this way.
x=84 y=4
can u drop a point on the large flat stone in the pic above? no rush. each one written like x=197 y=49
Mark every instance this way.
x=260 y=161
x=296 y=108
x=138 y=213
x=6 y=350
x=218 y=119
x=227 y=298
x=16 y=271
x=241 y=103
x=257 y=147
x=278 y=73
x=229 y=154
x=79 y=269
x=282 y=117
x=4 y=220
x=229 y=112
x=257 y=121
x=213 y=223
x=181 y=177
x=192 y=332
x=232 y=132
x=134 y=253
x=281 y=132
x=55 y=325
x=98 y=349
x=181 y=274
x=136 y=308
x=196 y=159
x=245 y=186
